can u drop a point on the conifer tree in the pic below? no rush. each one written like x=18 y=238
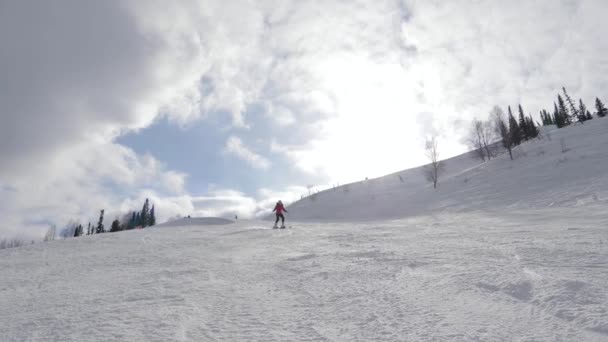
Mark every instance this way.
x=564 y=116
x=152 y=217
x=556 y=118
x=532 y=129
x=145 y=214
x=100 y=228
x=582 y=110
x=523 y=125
x=573 y=111
x=138 y=220
x=543 y=118
x=514 y=130
x=546 y=118
x=549 y=119
x=132 y=221
x=589 y=116
x=601 y=109
x=115 y=226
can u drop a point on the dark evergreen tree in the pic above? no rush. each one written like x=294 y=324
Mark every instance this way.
x=532 y=129
x=543 y=118
x=601 y=109
x=132 y=221
x=573 y=111
x=100 y=228
x=89 y=231
x=145 y=214
x=556 y=118
x=137 y=220
x=152 y=217
x=523 y=125
x=514 y=130
x=582 y=111
x=589 y=116
x=115 y=226
x=564 y=116
x=549 y=119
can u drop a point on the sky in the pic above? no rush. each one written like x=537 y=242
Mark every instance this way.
x=220 y=108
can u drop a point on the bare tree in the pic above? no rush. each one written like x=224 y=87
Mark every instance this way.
x=434 y=168
x=502 y=129
x=487 y=138
x=50 y=234
x=12 y=243
x=475 y=140
x=481 y=136
x=309 y=187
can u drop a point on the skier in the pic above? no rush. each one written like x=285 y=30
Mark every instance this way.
x=279 y=209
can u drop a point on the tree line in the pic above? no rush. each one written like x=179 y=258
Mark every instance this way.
x=132 y=220
x=511 y=130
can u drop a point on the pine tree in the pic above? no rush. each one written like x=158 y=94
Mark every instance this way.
x=523 y=125
x=543 y=118
x=100 y=228
x=138 y=220
x=514 y=130
x=532 y=129
x=563 y=112
x=601 y=109
x=115 y=226
x=589 y=116
x=556 y=118
x=573 y=111
x=582 y=110
x=549 y=119
x=546 y=118
x=152 y=217
x=132 y=221
x=145 y=214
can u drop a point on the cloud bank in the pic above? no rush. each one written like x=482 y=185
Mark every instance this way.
x=346 y=90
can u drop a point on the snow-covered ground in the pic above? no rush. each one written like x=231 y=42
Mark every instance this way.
x=502 y=251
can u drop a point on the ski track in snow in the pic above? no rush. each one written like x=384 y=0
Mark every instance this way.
x=461 y=277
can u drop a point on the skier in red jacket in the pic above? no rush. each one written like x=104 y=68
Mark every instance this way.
x=279 y=209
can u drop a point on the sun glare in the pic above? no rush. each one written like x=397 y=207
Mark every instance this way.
x=375 y=131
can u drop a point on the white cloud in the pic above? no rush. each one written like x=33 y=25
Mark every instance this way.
x=235 y=146
x=347 y=90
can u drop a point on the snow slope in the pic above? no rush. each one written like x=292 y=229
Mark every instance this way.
x=196 y=221
x=502 y=251
x=541 y=176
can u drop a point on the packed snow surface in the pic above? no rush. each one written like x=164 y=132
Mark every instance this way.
x=465 y=277
x=501 y=251
x=196 y=221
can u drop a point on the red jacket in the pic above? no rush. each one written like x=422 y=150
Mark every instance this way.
x=279 y=208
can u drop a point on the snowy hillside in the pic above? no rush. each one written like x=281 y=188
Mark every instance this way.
x=541 y=176
x=501 y=251
x=196 y=221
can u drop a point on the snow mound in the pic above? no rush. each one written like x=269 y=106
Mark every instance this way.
x=196 y=221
